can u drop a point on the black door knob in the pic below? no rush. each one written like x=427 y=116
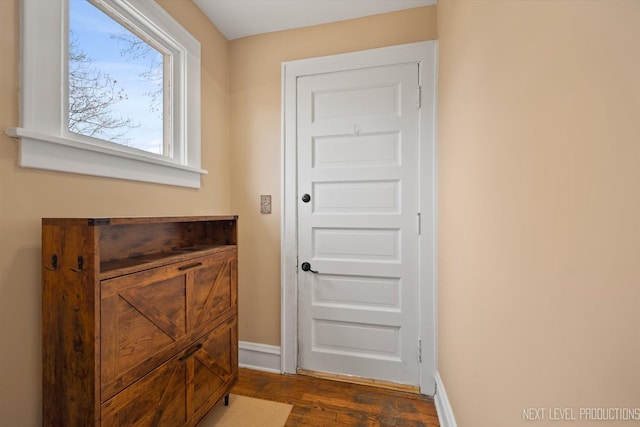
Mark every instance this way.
x=306 y=198
x=307 y=267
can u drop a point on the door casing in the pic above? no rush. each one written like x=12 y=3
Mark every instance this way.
x=425 y=54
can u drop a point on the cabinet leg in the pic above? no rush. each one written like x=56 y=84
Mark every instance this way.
x=226 y=400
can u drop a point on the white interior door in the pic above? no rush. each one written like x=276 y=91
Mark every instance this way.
x=358 y=222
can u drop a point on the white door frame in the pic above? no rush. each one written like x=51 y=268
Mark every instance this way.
x=424 y=53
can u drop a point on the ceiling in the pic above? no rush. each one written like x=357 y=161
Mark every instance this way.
x=241 y=18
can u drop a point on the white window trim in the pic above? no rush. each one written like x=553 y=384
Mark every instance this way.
x=46 y=143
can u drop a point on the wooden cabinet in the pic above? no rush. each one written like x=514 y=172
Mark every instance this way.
x=139 y=319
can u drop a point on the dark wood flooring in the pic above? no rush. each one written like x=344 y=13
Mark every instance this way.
x=321 y=402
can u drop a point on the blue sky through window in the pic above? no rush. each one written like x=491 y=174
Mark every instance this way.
x=94 y=33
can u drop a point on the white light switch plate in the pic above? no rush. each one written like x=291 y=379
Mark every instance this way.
x=265 y=204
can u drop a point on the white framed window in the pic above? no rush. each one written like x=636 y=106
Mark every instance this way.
x=48 y=141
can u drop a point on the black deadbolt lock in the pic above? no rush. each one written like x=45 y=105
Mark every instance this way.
x=306 y=198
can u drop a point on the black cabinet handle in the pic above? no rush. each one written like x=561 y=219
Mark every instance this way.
x=191 y=352
x=187 y=267
x=306 y=198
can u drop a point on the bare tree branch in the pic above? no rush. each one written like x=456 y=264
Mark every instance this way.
x=137 y=49
x=92 y=95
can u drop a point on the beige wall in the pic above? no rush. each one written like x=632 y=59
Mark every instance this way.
x=256 y=138
x=539 y=207
x=26 y=195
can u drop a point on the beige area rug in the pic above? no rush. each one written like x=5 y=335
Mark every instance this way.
x=247 y=412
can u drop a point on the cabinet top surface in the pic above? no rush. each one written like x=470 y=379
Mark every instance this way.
x=98 y=221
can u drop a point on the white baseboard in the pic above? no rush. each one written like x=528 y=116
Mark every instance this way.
x=261 y=357
x=443 y=407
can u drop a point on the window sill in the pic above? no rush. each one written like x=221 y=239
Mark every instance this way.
x=55 y=153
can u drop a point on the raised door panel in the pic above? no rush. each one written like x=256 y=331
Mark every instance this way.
x=214 y=290
x=215 y=367
x=158 y=399
x=150 y=316
x=182 y=390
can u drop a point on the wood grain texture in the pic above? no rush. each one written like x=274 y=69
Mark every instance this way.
x=321 y=402
x=133 y=241
x=70 y=367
